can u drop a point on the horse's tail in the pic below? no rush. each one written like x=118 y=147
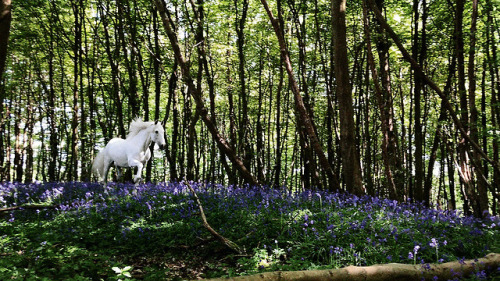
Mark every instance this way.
x=98 y=165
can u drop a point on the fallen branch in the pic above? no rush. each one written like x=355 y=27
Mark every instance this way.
x=393 y=271
x=230 y=244
x=27 y=207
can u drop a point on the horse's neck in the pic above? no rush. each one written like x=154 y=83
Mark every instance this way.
x=142 y=139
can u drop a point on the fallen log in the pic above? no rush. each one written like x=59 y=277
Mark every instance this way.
x=392 y=272
x=27 y=207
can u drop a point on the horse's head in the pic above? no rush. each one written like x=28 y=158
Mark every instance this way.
x=158 y=135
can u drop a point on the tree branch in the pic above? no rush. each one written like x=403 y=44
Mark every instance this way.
x=230 y=244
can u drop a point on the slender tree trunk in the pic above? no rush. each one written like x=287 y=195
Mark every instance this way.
x=465 y=172
x=232 y=117
x=278 y=151
x=2 y=133
x=53 y=139
x=5 y=19
x=85 y=161
x=28 y=131
x=18 y=152
x=481 y=199
x=77 y=53
x=259 y=133
x=491 y=56
x=175 y=129
x=244 y=148
x=6 y=173
x=157 y=80
x=418 y=55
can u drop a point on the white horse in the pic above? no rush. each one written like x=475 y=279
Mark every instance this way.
x=130 y=152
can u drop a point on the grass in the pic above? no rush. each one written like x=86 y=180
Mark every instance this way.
x=153 y=231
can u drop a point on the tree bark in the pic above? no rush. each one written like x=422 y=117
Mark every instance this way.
x=389 y=272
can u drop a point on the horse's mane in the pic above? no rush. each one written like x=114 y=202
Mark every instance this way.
x=136 y=126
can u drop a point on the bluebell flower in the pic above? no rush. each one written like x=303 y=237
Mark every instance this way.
x=410 y=255
x=434 y=243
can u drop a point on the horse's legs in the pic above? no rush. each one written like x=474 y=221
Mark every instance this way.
x=118 y=172
x=137 y=178
x=139 y=165
x=106 y=170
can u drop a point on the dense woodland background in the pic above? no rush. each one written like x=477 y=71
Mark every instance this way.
x=314 y=98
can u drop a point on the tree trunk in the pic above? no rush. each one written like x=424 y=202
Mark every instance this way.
x=418 y=55
x=5 y=19
x=278 y=150
x=481 y=198
x=53 y=139
x=243 y=147
x=18 y=148
x=350 y=156
x=491 y=56
x=28 y=131
x=465 y=170
x=77 y=57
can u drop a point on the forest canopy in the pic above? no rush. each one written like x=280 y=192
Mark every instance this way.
x=261 y=93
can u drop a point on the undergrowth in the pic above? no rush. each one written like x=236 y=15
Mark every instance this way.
x=153 y=231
